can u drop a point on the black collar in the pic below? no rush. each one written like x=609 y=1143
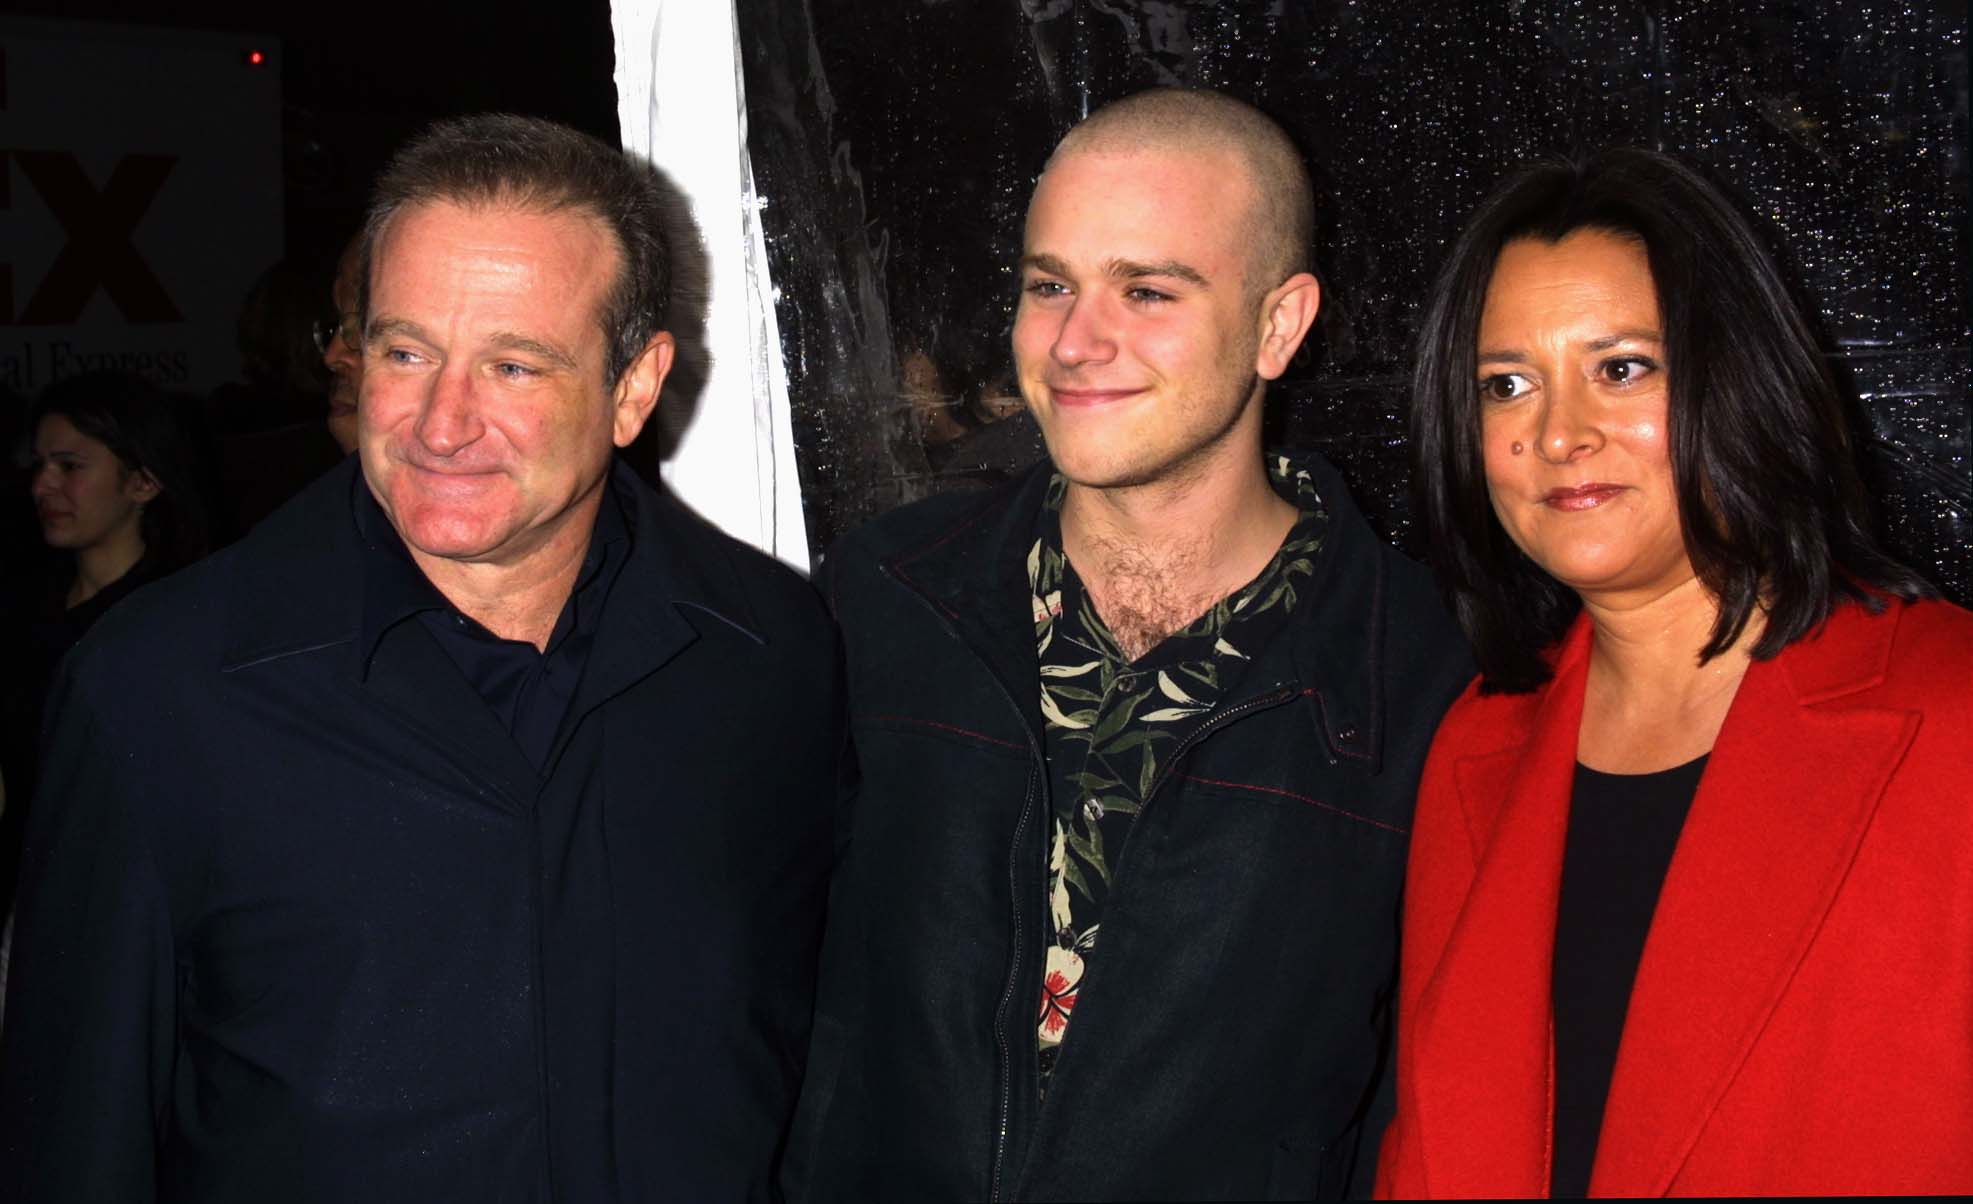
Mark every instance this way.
x=294 y=584
x=974 y=573
x=394 y=588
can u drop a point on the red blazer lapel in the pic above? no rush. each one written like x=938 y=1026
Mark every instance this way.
x=1792 y=783
x=1486 y=1086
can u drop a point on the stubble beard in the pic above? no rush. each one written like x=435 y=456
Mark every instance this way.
x=1190 y=464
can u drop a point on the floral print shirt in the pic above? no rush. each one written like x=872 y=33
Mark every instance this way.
x=1112 y=724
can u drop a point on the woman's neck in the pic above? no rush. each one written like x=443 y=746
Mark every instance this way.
x=104 y=563
x=1649 y=703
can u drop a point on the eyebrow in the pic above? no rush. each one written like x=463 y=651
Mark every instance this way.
x=535 y=347
x=1124 y=269
x=378 y=328
x=1637 y=335
x=1616 y=339
x=505 y=340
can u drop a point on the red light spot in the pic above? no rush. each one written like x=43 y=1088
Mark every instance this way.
x=255 y=58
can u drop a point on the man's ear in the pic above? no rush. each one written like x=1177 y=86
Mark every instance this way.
x=1286 y=315
x=637 y=390
x=141 y=487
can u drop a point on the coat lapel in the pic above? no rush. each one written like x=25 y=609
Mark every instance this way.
x=1486 y=1045
x=413 y=680
x=680 y=579
x=296 y=591
x=297 y=594
x=1793 y=781
x=634 y=642
x=975 y=578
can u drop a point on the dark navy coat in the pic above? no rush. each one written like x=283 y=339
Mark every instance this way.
x=280 y=935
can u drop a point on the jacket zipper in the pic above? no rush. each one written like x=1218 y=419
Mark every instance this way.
x=1000 y=1038
x=1212 y=724
x=1037 y=765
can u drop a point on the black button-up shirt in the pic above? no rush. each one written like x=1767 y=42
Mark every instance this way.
x=529 y=691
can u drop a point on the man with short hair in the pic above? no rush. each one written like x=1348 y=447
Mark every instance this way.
x=1137 y=735
x=462 y=833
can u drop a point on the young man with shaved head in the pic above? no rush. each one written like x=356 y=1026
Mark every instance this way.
x=1137 y=736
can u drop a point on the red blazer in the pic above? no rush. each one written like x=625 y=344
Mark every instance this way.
x=1802 y=1019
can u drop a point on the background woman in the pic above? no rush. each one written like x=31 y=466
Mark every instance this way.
x=113 y=488
x=1690 y=906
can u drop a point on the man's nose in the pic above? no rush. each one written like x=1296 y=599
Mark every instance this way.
x=1085 y=336
x=450 y=419
x=43 y=480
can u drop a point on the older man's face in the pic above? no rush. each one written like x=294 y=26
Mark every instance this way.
x=486 y=423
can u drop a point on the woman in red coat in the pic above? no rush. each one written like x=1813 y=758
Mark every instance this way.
x=1690 y=908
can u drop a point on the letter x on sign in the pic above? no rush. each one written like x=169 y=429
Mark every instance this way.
x=99 y=253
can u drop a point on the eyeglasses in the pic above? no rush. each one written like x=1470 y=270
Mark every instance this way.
x=327 y=329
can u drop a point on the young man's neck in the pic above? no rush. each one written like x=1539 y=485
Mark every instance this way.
x=1155 y=557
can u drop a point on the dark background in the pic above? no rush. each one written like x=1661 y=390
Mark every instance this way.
x=358 y=78
x=897 y=141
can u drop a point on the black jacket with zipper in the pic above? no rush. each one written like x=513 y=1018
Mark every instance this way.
x=1232 y=1042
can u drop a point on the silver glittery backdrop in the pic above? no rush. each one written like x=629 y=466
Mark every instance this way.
x=897 y=140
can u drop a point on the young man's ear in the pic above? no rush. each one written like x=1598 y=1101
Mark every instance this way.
x=140 y=486
x=637 y=390
x=1287 y=313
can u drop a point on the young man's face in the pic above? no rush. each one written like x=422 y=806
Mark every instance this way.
x=1137 y=340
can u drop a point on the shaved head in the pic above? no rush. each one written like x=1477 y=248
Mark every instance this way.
x=1280 y=211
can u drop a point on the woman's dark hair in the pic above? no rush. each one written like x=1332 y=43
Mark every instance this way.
x=144 y=429
x=1772 y=509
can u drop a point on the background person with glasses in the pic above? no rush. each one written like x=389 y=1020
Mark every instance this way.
x=340 y=340
x=269 y=424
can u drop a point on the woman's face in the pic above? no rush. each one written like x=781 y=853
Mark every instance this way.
x=82 y=493
x=1573 y=409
